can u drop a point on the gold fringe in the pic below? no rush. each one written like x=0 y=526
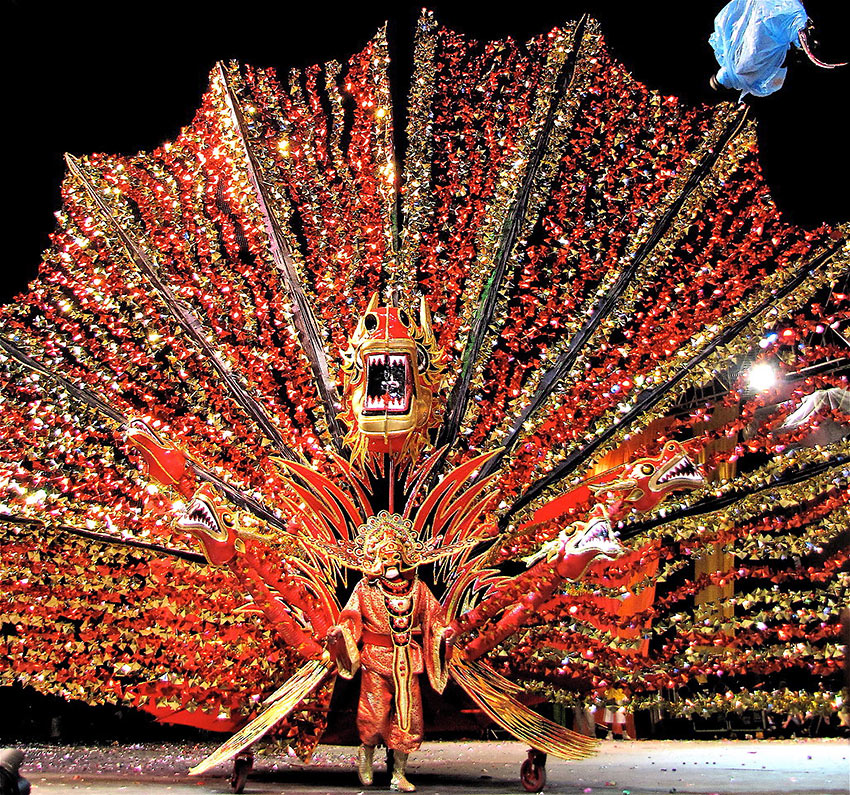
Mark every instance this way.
x=283 y=701
x=493 y=694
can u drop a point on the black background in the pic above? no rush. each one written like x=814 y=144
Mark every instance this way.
x=120 y=77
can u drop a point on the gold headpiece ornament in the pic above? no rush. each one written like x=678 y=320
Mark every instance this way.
x=387 y=540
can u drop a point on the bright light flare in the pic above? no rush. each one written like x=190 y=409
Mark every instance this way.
x=761 y=377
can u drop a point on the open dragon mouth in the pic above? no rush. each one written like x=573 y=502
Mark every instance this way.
x=388 y=384
x=684 y=470
x=600 y=536
x=199 y=516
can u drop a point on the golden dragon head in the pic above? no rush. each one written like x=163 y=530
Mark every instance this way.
x=392 y=369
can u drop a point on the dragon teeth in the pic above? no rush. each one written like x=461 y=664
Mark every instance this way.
x=382 y=402
x=199 y=513
x=682 y=469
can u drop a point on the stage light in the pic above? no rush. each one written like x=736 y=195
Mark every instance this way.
x=761 y=376
x=11 y=781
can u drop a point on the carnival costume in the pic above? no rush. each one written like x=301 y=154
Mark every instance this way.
x=259 y=362
x=401 y=627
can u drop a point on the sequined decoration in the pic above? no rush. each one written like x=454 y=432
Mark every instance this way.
x=604 y=266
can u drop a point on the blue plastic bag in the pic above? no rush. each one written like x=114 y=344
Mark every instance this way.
x=751 y=39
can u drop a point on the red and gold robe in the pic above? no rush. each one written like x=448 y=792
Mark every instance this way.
x=399 y=627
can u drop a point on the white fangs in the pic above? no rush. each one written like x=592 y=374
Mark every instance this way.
x=683 y=469
x=198 y=515
x=384 y=402
x=599 y=536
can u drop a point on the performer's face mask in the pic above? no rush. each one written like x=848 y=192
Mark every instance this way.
x=387 y=557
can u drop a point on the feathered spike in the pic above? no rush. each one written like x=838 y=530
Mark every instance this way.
x=305 y=321
x=467 y=506
x=88 y=397
x=330 y=516
x=108 y=538
x=416 y=477
x=306 y=679
x=328 y=499
x=456 y=405
x=472 y=583
x=317 y=582
x=312 y=527
x=425 y=319
x=652 y=396
x=358 y=486
x=187 y=321
x=438 y=497
x=565 y=361
x=494 y=694
x=465 y=525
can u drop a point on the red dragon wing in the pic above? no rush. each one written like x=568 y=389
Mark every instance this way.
x=205 y=287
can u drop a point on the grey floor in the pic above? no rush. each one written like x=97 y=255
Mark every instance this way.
x=811 y=766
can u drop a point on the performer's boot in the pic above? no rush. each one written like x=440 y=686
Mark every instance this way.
x=399 y=781
x=365 y=755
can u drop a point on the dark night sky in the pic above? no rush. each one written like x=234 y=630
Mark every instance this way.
x=94 y=76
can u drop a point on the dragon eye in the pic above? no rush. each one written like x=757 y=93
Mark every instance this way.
x=404 y=318
x=647 y=469
x=423 y=359
x=370 y=321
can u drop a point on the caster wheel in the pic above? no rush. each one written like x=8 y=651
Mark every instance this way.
x=241 y=768
x=532 y=774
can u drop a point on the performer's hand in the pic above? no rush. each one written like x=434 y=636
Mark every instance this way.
x=450 y=636
x=335 y=643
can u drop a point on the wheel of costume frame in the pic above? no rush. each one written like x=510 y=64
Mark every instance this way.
x=532 y=774
x=242 y=766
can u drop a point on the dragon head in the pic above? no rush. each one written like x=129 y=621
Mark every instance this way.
x=216 y=524
x=579 y=544
x=645 y=482
x=391 y=370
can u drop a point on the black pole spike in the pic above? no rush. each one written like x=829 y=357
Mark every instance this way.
x=566 y=360
x=88 y=397
x=459 y=397
x=182 y=314
x=651 y=397
x=105 y=538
